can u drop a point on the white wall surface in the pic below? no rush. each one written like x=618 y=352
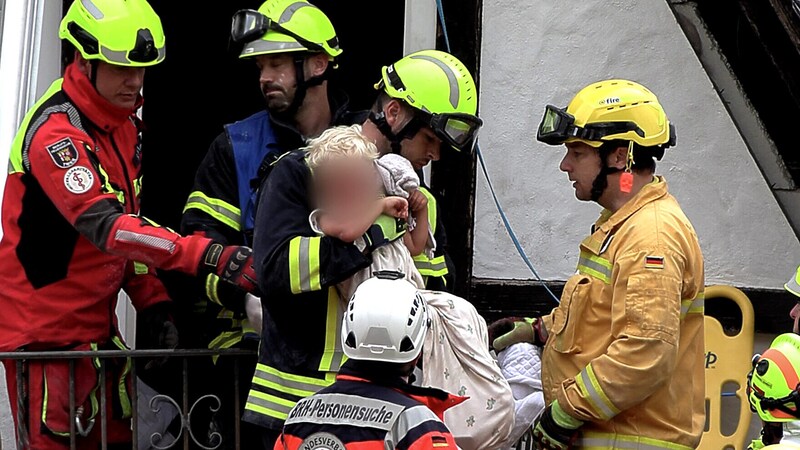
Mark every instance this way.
x=535 y=53
x=29 y=61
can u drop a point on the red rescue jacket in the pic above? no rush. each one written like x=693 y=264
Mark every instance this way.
x=71 y=230
x=357 y=412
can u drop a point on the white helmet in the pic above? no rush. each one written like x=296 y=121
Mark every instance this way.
x=386 y=320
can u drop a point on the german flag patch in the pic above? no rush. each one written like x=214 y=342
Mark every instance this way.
x=439 y=442
x=654 y=262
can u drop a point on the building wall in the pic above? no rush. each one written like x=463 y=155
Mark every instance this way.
x=535 y=53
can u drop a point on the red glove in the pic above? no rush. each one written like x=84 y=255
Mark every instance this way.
x=233 y=264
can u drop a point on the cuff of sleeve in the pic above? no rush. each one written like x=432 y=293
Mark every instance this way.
x=563 y=419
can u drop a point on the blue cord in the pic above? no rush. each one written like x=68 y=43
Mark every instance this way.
x=503 y=216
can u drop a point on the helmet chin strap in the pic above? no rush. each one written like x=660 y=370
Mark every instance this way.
x=94 y=64
x=303 y=84
x=395 y=139
x=600 y=182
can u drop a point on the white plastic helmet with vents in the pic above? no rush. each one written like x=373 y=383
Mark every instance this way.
x=386 y=320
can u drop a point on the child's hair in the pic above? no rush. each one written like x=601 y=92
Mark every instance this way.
x=339 y=142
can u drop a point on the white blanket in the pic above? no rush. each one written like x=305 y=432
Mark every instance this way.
x=456 y=358
x=521 y=365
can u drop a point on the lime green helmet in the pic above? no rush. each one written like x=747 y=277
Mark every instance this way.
x=441 y=90
x=282 y=26
x=119 y=32
x=793 y=285
x=772 y=385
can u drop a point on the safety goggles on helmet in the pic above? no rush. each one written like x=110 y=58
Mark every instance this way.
x=459 y=130
x=558 y=125
x=249 y=25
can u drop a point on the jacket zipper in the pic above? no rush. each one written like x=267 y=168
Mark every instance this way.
x=128 y=183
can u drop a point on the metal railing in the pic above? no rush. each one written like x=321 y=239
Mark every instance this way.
x=185 y=406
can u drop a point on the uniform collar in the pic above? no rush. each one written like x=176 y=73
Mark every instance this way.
x=436 y=400
x=91 y=104
x=608 y=221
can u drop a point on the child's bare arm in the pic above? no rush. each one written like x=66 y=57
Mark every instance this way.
x=417 y=239
x=352 y=227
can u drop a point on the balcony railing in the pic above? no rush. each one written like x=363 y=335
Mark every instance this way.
x=185 y=406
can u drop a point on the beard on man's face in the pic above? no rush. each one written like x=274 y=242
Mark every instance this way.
x=276 y=96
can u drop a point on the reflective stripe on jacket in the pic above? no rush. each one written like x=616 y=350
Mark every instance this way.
x=301 y=336
x=222 y=205
x=71 y=229
x=625 y=347
x=434 y=270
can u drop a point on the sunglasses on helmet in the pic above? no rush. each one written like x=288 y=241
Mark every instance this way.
x=249 y=25
x=558 y=125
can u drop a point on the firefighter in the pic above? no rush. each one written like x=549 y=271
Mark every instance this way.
x=372 y=405
x=773 y=388
x=622 y=365
x=295 y=48
x=72 y=234
x=300 y=352
x=409 y=91
x=780 y=431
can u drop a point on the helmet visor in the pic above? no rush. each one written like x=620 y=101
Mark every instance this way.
x=248 y=25
x=459 y=130
x=558 y=125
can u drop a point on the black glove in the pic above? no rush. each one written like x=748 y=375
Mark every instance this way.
x=555 y=429
x=233 y=264
x=156 y=330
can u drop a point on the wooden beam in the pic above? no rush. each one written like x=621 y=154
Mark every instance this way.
x=503 y=298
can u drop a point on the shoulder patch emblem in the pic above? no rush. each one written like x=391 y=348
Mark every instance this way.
x=322 y=441
x=654 y=262
x=63 y=153
x=78 y=179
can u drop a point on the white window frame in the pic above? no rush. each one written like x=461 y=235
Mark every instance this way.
x=420 y=34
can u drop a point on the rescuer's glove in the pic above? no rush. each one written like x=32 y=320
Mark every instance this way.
x=506 y=332
x=156 y=329
x=233 y=264
x=555 y=429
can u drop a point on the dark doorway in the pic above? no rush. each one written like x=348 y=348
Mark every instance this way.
x=202 y=85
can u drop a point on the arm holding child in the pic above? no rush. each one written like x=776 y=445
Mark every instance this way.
x=350 y=227
x=417 y=239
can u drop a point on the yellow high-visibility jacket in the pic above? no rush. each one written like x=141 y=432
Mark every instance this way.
x=625 y=346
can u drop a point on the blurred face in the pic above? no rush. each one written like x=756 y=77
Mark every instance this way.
x=277 y=79
x=119 y=85
x=423 y=148
x=346 y=185
x=582 y=165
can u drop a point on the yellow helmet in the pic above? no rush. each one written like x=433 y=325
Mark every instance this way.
x=282 y=26
x=772 y=385
x=793 y=285
x=119 y=32
x=607 y=111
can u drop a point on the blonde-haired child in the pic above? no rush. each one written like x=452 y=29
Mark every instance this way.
x=353 y=188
